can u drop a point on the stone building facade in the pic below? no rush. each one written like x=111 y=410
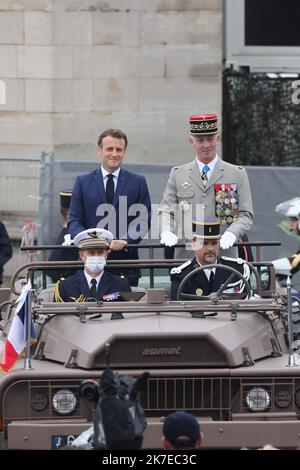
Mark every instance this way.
x=75 y=67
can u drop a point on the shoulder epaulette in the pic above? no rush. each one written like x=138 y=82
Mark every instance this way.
x=235 y=260
x=178 y=269
x=295 y=260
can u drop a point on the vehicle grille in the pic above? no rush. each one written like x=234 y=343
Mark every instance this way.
x=201 y=396
x=214 y=397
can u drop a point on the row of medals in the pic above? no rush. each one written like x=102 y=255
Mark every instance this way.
x=227 y=208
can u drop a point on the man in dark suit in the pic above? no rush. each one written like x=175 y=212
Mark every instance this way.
x=206 y=245
x=113 y=198
x=93 y=283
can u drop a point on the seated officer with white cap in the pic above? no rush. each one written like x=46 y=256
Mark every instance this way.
x=206 y=245
x=93 y=283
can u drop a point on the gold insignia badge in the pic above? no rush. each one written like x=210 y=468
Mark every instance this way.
x=93 y=234
x=81 y=298
x=199 y=292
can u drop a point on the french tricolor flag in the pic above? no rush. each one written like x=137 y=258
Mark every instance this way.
x=16 y=339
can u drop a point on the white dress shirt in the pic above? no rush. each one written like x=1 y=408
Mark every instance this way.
x=211 y=165
x=89 y=279
x=105 y=173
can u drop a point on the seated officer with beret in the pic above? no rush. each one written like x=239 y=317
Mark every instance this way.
x=93 y=283
x=206 y=245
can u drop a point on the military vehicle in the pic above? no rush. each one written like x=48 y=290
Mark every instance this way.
x=227 y=359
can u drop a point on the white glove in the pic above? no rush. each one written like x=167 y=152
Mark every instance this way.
x=168 y=239
x=67 y=240
x=282 y=266
x=255 y=297
x=227 y=240
x=84 y=439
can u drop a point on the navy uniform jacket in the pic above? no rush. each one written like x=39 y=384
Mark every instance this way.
x=65 y=254
x=89 y=193
x=200 y=280
x=5 y=248
x=75 y=288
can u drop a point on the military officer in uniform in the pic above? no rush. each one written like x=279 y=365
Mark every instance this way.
x=206 y=245
x=65 y=254
x=289 y=265
x=207 y=184
x=93 y=283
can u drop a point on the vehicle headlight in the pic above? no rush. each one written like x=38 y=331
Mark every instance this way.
x=258 y=399
x=64 y=402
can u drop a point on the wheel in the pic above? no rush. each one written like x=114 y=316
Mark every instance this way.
x=214 y=295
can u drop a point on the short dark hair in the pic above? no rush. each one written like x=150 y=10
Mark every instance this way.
x=116 y=133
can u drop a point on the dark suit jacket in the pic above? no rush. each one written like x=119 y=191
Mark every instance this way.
x=200 y=281
x=76 y=287
x=85 y=210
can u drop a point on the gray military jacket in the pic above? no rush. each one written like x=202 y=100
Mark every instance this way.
x=186 y=197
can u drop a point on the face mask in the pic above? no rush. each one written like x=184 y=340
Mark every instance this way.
x=95 y=264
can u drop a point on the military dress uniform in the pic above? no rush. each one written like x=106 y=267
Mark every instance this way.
x=189 y=194
x=225 y=195
x=200 y=285
x=65 y=254
x=75 y=288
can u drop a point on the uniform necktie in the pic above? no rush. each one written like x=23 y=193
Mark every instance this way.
x=211 y=281
x=93 y=289
x=205 y=170
x=110 y=188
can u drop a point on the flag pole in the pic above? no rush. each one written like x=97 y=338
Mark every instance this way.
x=27 y=362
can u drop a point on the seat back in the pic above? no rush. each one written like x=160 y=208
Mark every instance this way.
x=47 y=295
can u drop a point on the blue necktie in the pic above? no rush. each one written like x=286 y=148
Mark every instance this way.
x=204 y=172
x=110 y=188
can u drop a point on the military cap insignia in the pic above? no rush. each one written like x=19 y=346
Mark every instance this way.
x=94 y=234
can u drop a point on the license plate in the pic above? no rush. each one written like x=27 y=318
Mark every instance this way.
x=62 y=440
